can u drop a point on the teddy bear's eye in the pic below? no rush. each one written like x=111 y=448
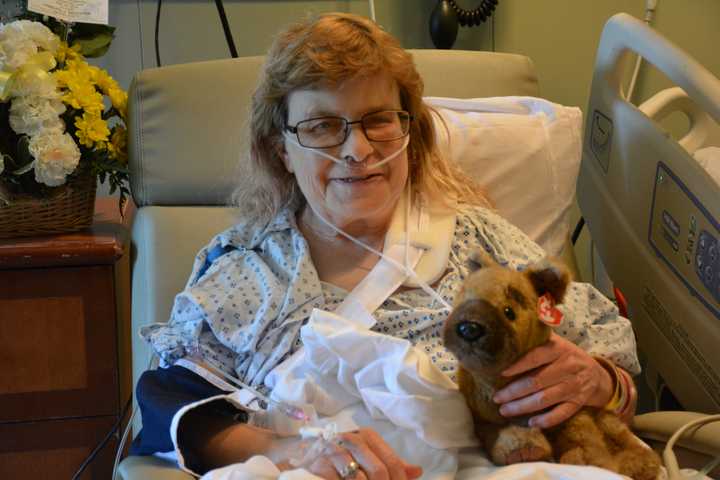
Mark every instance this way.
x=509 y=313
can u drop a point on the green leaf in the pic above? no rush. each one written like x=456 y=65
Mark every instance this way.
x=95 y=46
x=24 y=157
x=89 y=30
x=24 y=169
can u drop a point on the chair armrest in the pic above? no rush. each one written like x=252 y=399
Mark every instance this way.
x=137 y=467
x=660 y=426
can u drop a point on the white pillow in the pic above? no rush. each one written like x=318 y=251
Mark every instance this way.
x=524 y=151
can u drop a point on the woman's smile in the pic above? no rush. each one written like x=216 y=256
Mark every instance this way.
x=358 y=179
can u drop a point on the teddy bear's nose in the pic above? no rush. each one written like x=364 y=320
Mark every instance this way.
x=470 y=331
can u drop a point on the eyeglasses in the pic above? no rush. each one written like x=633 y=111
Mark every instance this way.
x=328 y=132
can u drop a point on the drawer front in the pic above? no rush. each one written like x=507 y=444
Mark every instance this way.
x=55 y=449
x=59 y=343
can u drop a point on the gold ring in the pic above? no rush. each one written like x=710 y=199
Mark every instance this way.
x=349 y=470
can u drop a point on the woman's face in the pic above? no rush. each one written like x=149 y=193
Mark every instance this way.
x=351 y=193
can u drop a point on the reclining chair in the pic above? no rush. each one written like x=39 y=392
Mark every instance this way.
x=186 y=131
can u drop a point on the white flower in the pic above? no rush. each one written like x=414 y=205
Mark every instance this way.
x=15 y=52
x=56 y=155
x=33 y=115
x=43 y=37
x=22 y=39
x=33 y=82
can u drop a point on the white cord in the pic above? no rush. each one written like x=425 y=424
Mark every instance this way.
x=669 y=459
x=650 y=6
x=709 y=467
x=126 y=432
x=631 y=88
x=371 y=3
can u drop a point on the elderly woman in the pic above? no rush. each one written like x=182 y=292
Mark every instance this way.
x=340 y=137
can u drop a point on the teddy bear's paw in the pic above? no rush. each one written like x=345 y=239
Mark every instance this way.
x=516 y=444
x=639 y=463
x=588 y=455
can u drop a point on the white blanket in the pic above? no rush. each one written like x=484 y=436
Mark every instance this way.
x=357 y=377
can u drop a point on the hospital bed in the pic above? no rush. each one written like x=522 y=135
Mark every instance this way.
x=653 y=212
x=187 y=126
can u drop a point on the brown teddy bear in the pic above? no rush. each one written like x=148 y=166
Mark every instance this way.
x=495 y=321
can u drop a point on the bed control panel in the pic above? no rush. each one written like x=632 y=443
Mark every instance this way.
x=686 y=237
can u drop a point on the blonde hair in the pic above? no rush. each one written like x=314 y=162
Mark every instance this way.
x=323 y=52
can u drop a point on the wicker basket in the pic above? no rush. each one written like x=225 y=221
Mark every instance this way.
x=70 y=208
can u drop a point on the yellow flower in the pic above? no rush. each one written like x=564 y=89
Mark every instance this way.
x=117 y=146
x=79 y=91
x=119 y=98
x=83 y=96
x=105 y=82
x=91 y=129
x=65 y=53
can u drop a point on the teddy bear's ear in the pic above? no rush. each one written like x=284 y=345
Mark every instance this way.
x=549 y=276
x=479 y=258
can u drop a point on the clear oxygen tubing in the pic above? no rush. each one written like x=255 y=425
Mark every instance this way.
x=403 y=268
x=344 y=163
x=291 y=411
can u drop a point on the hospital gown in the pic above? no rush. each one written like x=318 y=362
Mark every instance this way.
x=252 y=289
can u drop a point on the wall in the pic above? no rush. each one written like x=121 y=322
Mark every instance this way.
x=191 y=30
x=560 y=36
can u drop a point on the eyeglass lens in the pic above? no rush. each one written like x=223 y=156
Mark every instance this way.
x=328 y=132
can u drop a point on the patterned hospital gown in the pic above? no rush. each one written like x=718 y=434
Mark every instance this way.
x=244 y=309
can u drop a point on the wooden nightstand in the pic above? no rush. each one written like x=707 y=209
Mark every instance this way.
x=64 y=348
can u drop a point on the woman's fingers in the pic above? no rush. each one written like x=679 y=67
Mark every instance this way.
x=323 y=467
x=375 y=459
x=397 y=467
x=542 y=378
x=540 y=400
x=557 y=415
x=371 y=464
x=343 y=466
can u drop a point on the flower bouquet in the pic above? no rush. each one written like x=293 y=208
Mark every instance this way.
x=62 y=126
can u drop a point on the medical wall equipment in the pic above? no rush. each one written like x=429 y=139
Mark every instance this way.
x=654 y=214
x=448 y=15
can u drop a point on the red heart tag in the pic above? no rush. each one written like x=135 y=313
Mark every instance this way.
x=547 y=312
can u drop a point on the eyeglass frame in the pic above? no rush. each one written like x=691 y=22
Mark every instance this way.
x=348 y=124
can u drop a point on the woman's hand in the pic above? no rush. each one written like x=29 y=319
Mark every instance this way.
x=369 y=452
x=559 y=376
